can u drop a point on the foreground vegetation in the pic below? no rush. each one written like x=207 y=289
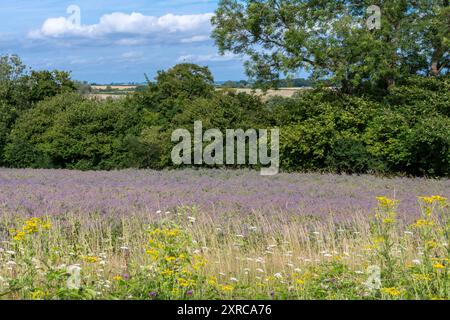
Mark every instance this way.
x=187 y=255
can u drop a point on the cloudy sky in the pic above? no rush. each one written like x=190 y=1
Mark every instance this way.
x=114 y=40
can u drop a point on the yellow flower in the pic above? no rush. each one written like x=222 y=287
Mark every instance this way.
x=433 y=199
x=117 y=278
x=421 y=277
x=20 y=235
x=212 y=281
x=423 y=223
x=431 y=244
x=175 y=291
x=170 y=259
x=167 y=272
x=386 y=202
x=38 y=295
x=388 y=221
x=90 y=259
x=394 y=292
x=153 y=253
x=438 y=266
x=199 y=263
x=226 y=288
x=300 y=282
x=439 y=198
x=185 y=283
x=172 y=232
x=441 y=259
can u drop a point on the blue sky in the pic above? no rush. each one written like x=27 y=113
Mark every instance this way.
x=116 y=40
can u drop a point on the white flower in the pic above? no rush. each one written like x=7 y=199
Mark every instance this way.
x=124 y=248
x=260 y=270
x=192 y=219
x=234 y=280
x=159 y=211
x=416 y=261
x=11 y=263
x=278 y=275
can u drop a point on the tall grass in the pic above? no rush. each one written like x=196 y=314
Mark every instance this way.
x=189 y=254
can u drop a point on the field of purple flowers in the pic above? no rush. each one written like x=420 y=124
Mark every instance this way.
x=53 y=192
x=215 y=234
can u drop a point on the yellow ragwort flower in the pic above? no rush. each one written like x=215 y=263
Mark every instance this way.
x=226 y=288
x=394 y=292
x=386 y=202
x=438 y=266
x=423 y=223
x=90 y=259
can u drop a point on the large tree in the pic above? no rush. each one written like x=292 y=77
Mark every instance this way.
x=342 y=40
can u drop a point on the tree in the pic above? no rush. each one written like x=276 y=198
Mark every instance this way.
x=71 y=131
x=338 y=39
x=174 y=89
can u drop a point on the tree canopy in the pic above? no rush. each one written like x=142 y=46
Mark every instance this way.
x=358 y=44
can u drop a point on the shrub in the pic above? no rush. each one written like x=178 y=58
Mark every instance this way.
x=70 y=131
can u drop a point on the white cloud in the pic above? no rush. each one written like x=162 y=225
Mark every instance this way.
x=195 y=27
x=195 y=39
x=208 y=58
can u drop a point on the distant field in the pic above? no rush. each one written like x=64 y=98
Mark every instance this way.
x=283 y=92
x=106 y=87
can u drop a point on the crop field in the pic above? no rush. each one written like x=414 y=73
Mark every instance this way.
x=216 y=234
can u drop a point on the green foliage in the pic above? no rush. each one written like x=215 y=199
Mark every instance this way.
x=20 y=90
x=70 y=131
x=333 y=41
x=174 y=89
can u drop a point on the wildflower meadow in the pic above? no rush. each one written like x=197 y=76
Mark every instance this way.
x=145 y=235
